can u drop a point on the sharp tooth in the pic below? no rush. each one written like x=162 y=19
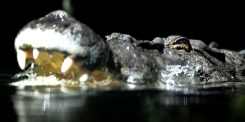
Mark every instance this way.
x=35 y=53
x=83 y=78
x=32 y=65
x=21 y=58
x=66 y=65
x=108 y=37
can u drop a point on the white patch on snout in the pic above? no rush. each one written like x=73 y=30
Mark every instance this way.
x=50 y=39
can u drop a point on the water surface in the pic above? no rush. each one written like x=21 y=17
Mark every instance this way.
x=147 y=105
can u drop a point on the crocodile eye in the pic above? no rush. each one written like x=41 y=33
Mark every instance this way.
x=179 y=43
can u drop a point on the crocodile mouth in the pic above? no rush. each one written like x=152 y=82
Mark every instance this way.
x=48 y=62
x=61 y=46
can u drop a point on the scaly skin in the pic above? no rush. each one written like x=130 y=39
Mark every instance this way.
x=139 y=58
x=59 y=45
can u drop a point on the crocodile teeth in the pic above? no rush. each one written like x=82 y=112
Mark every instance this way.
x=83 y=78
x=35 y=53
x=21 y=58
x=66 y=65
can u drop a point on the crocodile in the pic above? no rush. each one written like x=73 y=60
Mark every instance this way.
x=59 y=45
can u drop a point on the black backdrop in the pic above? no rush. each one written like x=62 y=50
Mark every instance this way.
x=143 y=20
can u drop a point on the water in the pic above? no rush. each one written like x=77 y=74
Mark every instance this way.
x=147 y=105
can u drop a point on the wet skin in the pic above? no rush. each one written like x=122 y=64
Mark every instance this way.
x=59 y=45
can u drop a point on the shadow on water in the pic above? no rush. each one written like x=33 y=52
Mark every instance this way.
x=120 y=105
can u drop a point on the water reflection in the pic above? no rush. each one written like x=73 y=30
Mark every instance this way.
x=179 y=107
x=132 y=104
x=48 y=107
x=219 y=103
x=128 y=105
x=7 y=111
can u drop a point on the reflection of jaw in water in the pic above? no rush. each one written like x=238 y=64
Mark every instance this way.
x=48 y=106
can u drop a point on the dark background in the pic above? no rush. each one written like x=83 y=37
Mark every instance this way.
x=220 y=22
